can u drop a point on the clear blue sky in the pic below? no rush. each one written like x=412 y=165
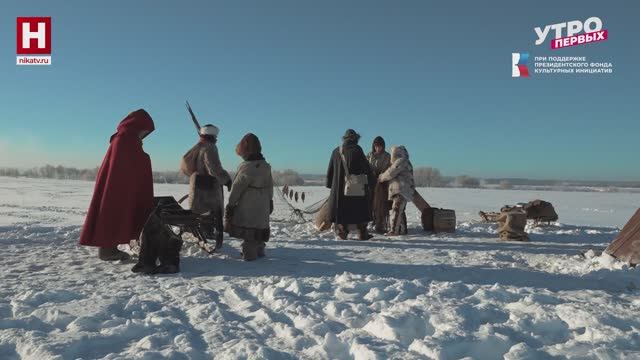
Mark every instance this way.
x=434 y=76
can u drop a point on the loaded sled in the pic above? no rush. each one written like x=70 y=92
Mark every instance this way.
x=161 y=238
x=171 y=213
x=512 y=219
x=539 y=211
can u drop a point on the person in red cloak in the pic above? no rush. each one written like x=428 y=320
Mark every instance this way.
x=123 y=195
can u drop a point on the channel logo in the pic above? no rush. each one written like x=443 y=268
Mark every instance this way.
x=33 y=41
x=519 y=65
x=591 y=29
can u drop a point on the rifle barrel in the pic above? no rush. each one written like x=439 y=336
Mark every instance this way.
x=193 y=117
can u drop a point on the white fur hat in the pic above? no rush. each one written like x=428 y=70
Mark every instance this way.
x=209 y=130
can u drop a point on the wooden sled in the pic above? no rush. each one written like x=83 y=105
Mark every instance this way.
x=171 y=213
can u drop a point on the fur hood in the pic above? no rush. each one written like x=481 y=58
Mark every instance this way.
x=399 y=152
x=400 y=174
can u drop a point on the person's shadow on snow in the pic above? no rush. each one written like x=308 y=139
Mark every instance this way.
x=328 y=258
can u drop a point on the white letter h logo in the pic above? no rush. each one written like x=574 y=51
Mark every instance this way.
x=27 y=35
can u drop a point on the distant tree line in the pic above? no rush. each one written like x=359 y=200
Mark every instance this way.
x=424 y=176
x=170 y=177
x=284 y=177
x=71 y=173
x=52 y=172
x=431 y=177
x=287 y=177
x=466 y=181
x=560 y=183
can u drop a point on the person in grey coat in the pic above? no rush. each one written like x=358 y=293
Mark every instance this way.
x=206 y=178
x=251 y=199
x=401 y=188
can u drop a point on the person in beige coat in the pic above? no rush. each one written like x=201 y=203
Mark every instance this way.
x=251 y=199
x=401 y=188
x=206 y=178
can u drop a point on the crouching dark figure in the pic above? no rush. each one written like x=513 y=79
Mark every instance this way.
x=158 y=243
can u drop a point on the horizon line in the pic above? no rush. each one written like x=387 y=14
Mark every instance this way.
x=301 y=173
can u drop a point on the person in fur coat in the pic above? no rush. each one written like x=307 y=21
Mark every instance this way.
x=206 y=178
x=251 y=199
x=401 y=188
x=380 y=161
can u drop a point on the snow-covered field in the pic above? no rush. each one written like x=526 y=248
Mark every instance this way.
x=315 y=297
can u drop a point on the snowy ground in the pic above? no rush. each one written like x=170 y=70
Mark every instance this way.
x=420 y=296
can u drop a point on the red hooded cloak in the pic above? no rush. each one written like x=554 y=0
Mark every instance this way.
x=123 y=195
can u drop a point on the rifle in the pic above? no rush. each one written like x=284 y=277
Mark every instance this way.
x=193 y=117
